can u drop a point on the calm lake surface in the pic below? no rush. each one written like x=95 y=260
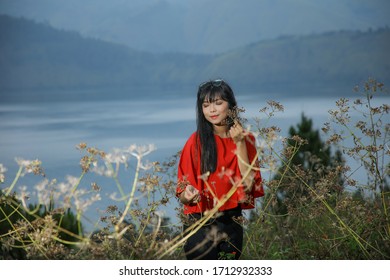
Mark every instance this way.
x=49 y=131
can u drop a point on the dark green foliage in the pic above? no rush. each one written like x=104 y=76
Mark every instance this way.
x=307 y=155
x=314 y=145
x=12 y=214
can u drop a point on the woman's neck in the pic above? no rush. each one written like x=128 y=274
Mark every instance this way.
x=221 y=131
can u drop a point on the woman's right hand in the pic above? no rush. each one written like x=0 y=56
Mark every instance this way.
x=190 y=195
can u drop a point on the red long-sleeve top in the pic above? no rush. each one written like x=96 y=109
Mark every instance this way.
x=217 y=184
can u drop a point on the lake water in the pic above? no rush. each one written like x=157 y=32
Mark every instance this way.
x=49 y=131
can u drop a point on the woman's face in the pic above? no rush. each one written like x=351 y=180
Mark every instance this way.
x=215 y=111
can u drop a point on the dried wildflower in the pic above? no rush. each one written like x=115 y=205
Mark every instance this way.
x=157 y=167
x=93 y=151
x=164 y=200
x=352 y=182
x=342 y=103
x=372 y=85
x=376 y=110
x=91 y=158
x=299 y=140
x=361 y=125
x=112 y=209
x=85 y=163
x=277 y=106
x=270 y=134
x=272 y=107
x=289 y=151
x=334 y=138
x=149 y=182
x=95 y=186
x=385 y=108
x=240 y=220
x=81 y=146
x=373 y=148
x=182 y=184
x=234 y=115
x=341 y=115
x=326 y=127
x=30 y=166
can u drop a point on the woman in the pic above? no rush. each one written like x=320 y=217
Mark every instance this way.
x=216 y=170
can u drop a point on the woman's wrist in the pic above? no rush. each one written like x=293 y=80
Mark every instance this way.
x=239 y=141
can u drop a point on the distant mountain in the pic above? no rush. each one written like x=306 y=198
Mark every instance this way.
x=37 y=56
x=341 y=58
x=200 y=26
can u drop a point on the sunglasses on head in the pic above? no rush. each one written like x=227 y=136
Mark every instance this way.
x=213 y=83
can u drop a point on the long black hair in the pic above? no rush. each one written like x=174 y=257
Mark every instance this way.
x=210 y=91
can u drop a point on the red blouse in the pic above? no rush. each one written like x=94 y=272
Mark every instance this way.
x=221 y=181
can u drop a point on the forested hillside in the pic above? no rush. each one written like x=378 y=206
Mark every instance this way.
x=37 y=56
x=34 y=55
x=336 y=58
x=200 y=26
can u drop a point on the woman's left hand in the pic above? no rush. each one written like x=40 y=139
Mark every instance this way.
x=237 y=133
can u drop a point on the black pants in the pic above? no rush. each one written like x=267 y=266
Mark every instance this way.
x=219 y=238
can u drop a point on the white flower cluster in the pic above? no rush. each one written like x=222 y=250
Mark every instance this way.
x=63 y=194
x=3 y=169
x=29 y=166
x=122 y=156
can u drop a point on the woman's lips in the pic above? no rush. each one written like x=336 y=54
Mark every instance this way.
x=214 y=117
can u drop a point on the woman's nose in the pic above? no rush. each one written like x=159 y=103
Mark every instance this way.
x=212 y=107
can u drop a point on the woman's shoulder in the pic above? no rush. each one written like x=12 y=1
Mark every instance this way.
x=190 y=146
x=191 y=140
x=192 y=137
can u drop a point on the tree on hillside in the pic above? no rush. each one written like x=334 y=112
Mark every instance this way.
x=306 y=157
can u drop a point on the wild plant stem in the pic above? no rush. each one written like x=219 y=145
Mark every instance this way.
x=134 y=187
x=115 y=177
x=14 y=181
